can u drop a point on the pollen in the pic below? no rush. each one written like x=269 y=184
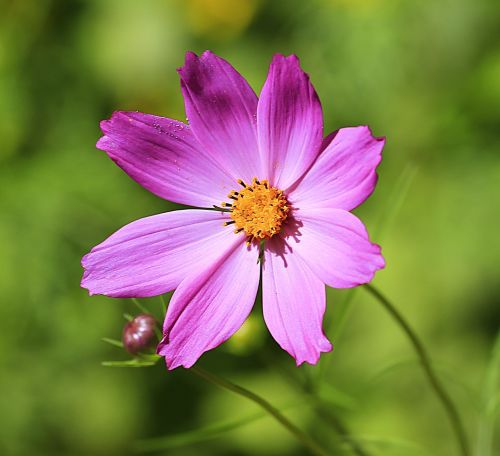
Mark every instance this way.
x=258 y=209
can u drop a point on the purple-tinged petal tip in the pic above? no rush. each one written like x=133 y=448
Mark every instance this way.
x=163 y=156
x=221 y=108
x=289 y=121
x=344 y=174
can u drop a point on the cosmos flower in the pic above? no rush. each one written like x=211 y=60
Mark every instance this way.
x=275 y=195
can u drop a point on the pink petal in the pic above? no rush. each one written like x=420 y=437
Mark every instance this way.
x=164 y=157
x=344 y=175
x=153 y=255
x=293 y=303
x=221 y=108
x=334 y=243
x=289 y=121
x=209 y=307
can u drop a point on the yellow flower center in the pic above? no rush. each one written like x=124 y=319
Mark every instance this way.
x=258 y=209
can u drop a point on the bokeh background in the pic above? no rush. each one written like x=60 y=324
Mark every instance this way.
x=424 y=74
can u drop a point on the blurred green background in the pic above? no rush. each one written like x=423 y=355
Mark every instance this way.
x=424 y=74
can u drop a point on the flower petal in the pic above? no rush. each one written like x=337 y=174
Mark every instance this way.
x=209 y=307
x=153 y=255
x=293 y=300
x=343 y=175
x=289 y=121
x=221 y=108
x=335 y=245
x=164 y=157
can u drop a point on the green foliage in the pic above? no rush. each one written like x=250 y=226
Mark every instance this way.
x=139 y=361
x=490 y=403
x=423 y=74
x=202 y=434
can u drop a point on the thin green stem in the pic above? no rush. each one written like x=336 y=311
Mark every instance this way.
x=490 y=403
x=309 y=443
x=140 y=306
x=434 y=381
x=163 y=305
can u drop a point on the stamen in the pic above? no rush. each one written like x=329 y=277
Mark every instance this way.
x=224 y=204
x=220 y=208
x=228 y=223
x=238 y=230
x=259 y=209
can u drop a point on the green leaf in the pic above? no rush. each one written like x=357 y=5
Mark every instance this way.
x=140 y=361
x=114 y=342
x=140 y=306
x=163 y=305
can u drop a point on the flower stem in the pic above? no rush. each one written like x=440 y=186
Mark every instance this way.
x=309 y=443
x=436 y=385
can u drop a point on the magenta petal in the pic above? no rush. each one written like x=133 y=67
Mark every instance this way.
x=209 y=307
x=289 y=121
x=164 y=157
x=293 y=300
x=335 y=245
x=221 y=108
x=344 y=175
x=153 y=255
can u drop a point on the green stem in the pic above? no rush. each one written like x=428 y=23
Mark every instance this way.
x=436 y=385
x=313 y=447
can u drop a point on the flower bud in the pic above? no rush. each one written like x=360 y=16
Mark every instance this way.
x=139 y=334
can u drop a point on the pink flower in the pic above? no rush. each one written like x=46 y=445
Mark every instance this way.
x=266 y=162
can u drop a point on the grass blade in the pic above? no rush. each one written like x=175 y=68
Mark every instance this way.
x=489 y=403
x=114 y=342
x=142 y=361
x=140 y=306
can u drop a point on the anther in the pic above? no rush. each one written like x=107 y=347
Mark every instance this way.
x=229 y=223
x=220 y=208
x=224 y=204
x=259 y=209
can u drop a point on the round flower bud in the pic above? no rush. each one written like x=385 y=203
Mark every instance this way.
x=139 y=334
